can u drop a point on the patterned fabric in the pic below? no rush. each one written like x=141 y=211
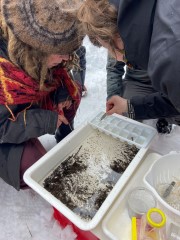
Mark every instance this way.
x=16 y=87
x=48 y=26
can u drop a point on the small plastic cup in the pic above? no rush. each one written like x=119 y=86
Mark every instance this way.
x=139 y=201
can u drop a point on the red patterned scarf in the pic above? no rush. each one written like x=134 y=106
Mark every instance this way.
x=16 y=87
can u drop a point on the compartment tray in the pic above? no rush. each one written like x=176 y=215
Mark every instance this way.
x=125 y=129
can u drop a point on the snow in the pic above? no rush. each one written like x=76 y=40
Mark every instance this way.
x=24 y=214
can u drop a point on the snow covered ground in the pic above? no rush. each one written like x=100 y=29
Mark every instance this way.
x=25 y=215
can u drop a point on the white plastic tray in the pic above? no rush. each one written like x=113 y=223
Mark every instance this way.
x=161 y=172
x=41 y=169
x=125 y=129
x=117 y=224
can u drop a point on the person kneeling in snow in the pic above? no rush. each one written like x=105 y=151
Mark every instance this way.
x=37 y=95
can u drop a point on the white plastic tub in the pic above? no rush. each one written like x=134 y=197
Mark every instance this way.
x=35 y=175
x=165 y=170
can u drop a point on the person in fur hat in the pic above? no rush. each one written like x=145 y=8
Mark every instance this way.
x=37 y=94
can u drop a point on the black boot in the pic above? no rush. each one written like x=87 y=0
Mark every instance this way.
x=63 y=131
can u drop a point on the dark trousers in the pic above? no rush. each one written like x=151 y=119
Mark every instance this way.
x=33 y=151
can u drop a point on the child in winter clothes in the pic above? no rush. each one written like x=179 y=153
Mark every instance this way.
x=37 y=95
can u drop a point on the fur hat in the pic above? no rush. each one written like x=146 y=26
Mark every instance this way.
x=47 y=25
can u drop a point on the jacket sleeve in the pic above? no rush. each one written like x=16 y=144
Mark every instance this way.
x=115 y=72
x=153 y=106
x=36 y=122
x=60 y=95
x=164 y=59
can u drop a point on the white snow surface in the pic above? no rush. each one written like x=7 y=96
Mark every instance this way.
x=24 y=214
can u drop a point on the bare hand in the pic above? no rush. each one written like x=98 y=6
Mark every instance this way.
x=61 y=118
x=66 y=104
x=117 y=105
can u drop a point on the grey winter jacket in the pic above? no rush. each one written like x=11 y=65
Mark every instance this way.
x=151 y=35
x=13 y=135
x=115 y=71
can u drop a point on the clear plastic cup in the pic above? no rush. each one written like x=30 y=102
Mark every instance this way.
x=153 y=225
x=139 y=201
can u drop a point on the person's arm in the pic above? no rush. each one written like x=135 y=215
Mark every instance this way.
x=152 y=106
x=165 y=74
x=140 y=108
x=34 y=123
x=115 y=72
x=164 y=58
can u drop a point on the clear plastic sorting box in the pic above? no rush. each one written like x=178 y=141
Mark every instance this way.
x=125 y=129
x=111 y=131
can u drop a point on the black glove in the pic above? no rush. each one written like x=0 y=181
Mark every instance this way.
x=63 y=131
x=163 y=126
x=60 y=95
